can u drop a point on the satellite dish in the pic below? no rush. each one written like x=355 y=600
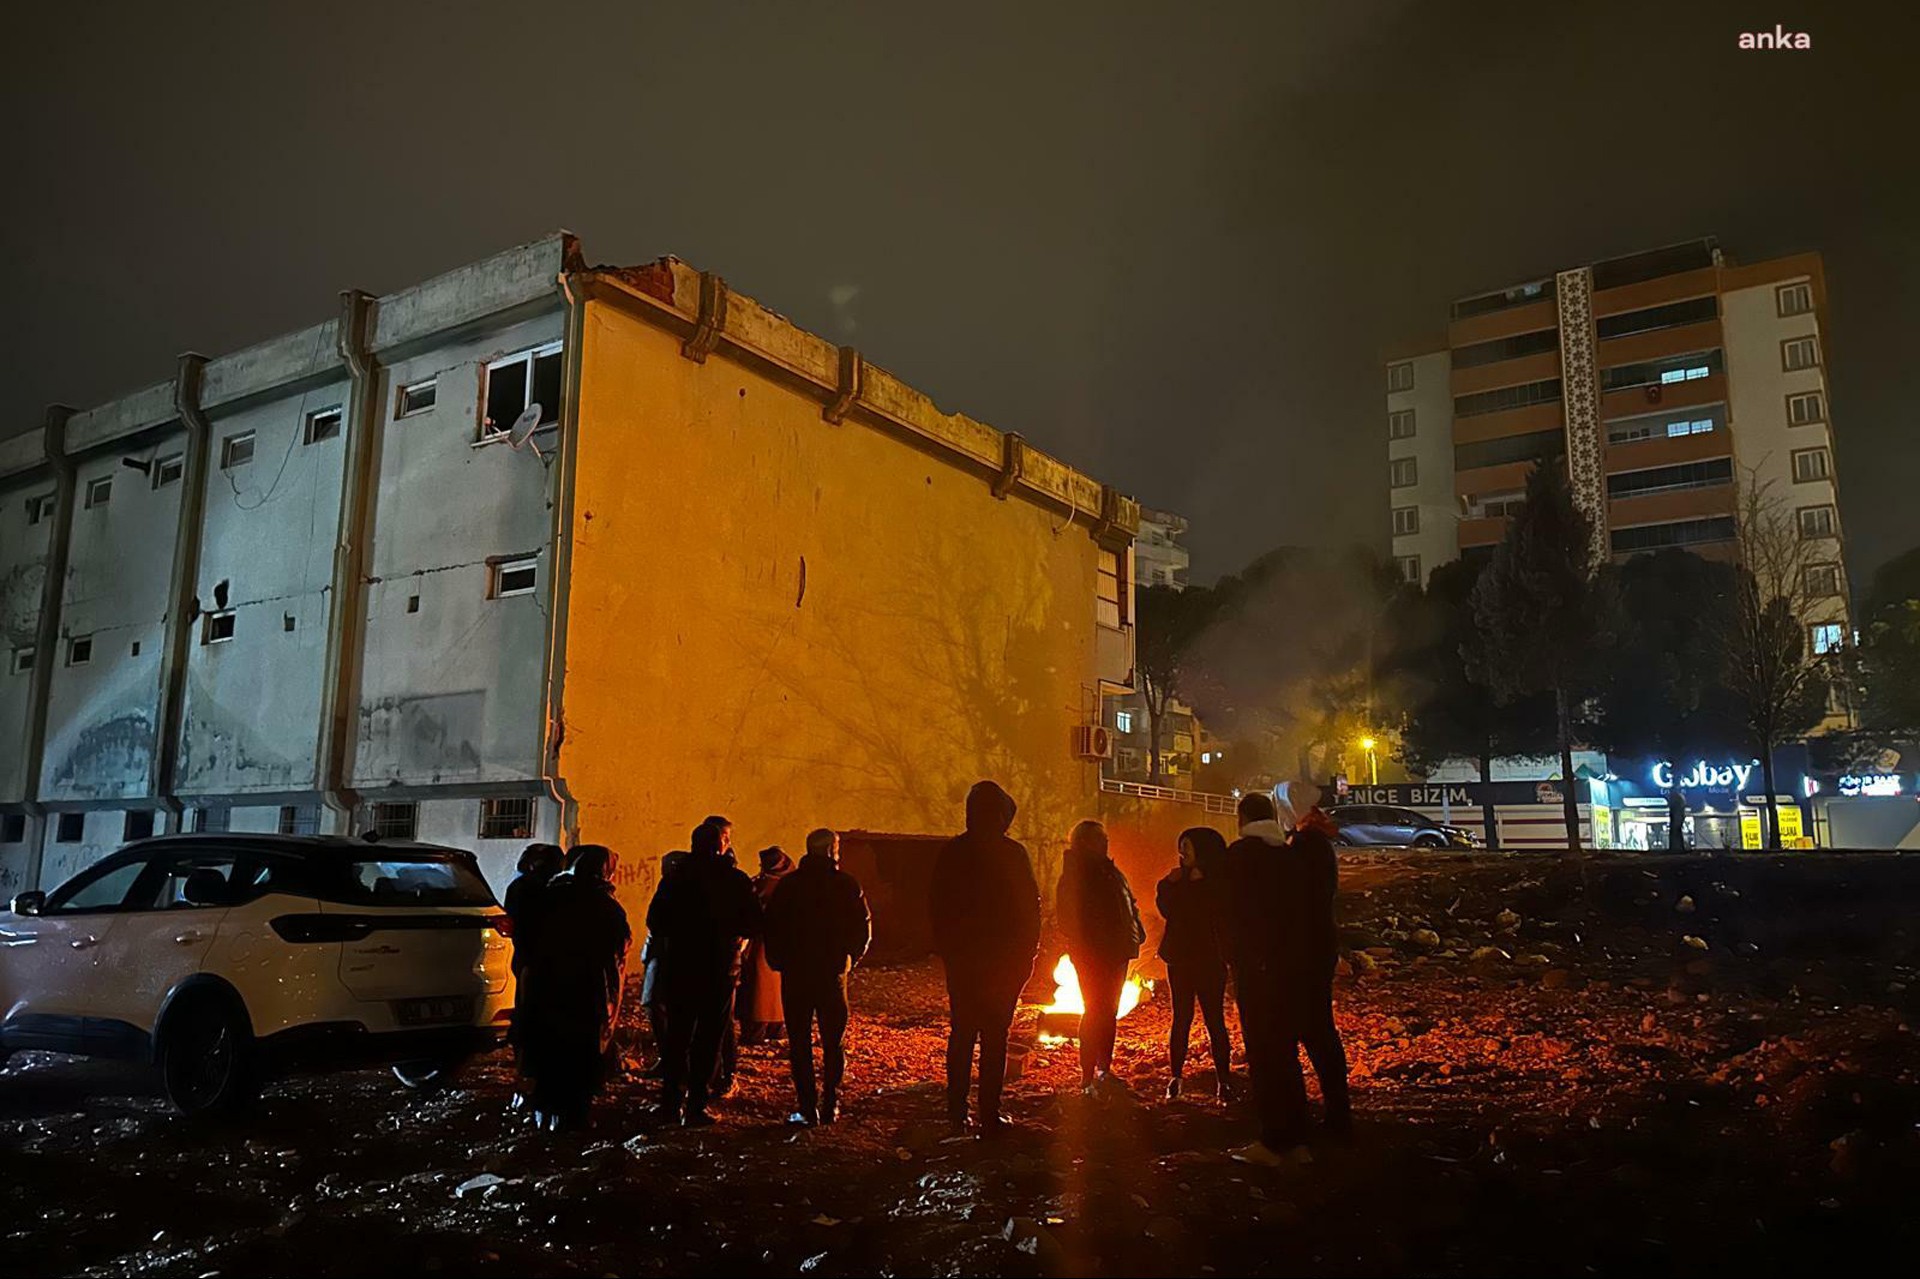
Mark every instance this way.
x=525 y=425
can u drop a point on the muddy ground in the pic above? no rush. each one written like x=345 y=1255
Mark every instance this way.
x=1688 y=1065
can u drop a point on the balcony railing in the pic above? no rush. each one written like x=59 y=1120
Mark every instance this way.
x=1140 y=790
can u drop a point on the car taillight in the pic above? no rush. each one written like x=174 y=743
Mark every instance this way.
x=502 y=924
x=320 y=928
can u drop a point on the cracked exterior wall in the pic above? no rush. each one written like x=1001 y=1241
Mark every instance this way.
x=943 y=635
x=452 y=693
x=23 y=573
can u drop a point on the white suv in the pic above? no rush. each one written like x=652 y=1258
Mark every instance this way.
x=226 y=960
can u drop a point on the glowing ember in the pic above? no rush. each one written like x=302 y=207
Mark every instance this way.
x=1066 y=992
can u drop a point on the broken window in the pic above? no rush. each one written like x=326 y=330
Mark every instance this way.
x=211 y=819
x=217 y=628
x=418 y=398
x=506 y=818
x=513 y=577
x=168 y=470
x=324 y=425
x=99 y=492
x=138 y=824
x=299 y=819
x=516 y=381
x=71 y=828
x=1109 y=590
x=394 y=820
x=80 y=650
x=39 y=507
x=236 y=450
x=22 y=660
x=13 y=828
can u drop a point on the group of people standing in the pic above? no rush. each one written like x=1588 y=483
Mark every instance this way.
x=729 y=957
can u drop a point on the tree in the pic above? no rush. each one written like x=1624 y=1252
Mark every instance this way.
x=1450 y=714
x=1890 y=650
x=1778 y=683
x=1543 y=616
x=1170 y=619
x=1664 y=690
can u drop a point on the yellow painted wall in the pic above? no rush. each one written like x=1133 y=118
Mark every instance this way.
x=943 y=635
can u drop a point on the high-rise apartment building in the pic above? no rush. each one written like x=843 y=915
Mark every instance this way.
x=1667 y=382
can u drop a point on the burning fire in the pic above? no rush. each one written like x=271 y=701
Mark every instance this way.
x=1066 y=992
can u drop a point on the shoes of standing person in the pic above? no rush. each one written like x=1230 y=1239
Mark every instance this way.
x=1227 y=1089
x=995 y=1126
x=803 y=1119
x=959 y=1126
x=1173 y=1089
x=1113 y=1086
x=697 y=1117
x=829 y=1109
x=1261 y=1155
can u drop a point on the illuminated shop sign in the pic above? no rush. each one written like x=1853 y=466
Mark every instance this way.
x=1705 y=775
x=1870 y=784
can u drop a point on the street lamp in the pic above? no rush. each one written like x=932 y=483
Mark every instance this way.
x=1373 y=761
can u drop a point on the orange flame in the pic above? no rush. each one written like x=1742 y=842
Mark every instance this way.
x=1066 y=991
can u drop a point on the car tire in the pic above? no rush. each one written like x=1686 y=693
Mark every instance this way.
x=206 y=1057
x=1342 y=840
x=430 y=1075
x=1428 y=842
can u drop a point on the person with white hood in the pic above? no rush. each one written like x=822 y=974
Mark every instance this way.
x=1279 y=880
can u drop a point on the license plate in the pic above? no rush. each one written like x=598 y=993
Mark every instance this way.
x=430 y=1012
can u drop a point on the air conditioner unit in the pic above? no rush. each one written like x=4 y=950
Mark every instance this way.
x=1093 y=741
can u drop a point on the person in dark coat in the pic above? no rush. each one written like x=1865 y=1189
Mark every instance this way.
x=817 y=928
x=1101 y=923
x=651 y=990
x=539 y=863
x=701 y=915
x=1279 y=880
x=728 y=1060
x=761 y=1012
x=569 y=1000
x=985 y=911
x=1196 y=964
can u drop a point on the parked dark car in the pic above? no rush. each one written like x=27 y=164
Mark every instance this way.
x=1379 y=826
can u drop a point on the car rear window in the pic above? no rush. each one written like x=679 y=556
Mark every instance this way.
x=412 y=879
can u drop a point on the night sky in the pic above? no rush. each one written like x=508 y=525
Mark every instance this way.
x=1167 y=243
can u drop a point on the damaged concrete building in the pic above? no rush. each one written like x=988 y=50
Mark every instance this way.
x=539 y=550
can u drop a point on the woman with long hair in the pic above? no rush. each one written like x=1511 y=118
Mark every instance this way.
x=1196 y=965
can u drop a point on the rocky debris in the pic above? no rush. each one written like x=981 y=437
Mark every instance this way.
x=1423 y=939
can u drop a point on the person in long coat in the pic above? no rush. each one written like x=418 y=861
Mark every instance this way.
x=818 y=927
x=576 y=949
x=652 y=959
x=985 y=910
x=1196 y=964
x=1101 y=922
x=759 y=1007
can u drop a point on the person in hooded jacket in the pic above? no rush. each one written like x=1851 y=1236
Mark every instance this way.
x=1102 y=926
x=758 y=1003
x=817 y=928
x=727 y=1061
x=569 y=998
x=1196 y=964
x=1279 y=880
x=701 y=913
x=985 y=909
x=652 y=958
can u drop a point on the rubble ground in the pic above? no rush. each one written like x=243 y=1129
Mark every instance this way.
x=1651 y=1064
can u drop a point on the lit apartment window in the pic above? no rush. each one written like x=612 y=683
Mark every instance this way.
x=512 y=577
x=138 y=825
x=1816 y=522
x=70 y=828
x=1810 y=464
x=1691 y=426
x=1110 y=601
x=418 y=398
x=168 y=470
x=217 y=628
x=39 y=507
x=531 y=377
x=1400 y=425
x=212 y=819
x=13 y=828
x=1409 y=566
x=80 y=650
x=22 y=661
x=1403 y=472
x=1822 y=580
x=1799 y=353
x=1794 y=299
x=1400 y=376
x=1691 y=373
x=236 y=450
x=1805 y=408
x=324 y=425
x=99 y=492
x=394 y=820
x=1406 y=520
x=299 y=819
x=506 y=818
x=1123 y=721
x=1825 y=637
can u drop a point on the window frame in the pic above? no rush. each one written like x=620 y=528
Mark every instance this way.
x=1832 y=522
x=530 y=357
x=211 y=819
x=21 y=661
x=1826 y=465
x=403 y=394
x=13 y=828
x=293 y=817
x=1814 y=630
x=1393 y=472
x=129 y=820
x=490 y=811
x=1119 y=579
x=386 y=810
x=1393 y=424
x=307 y=434
x=168 y=470
x=1393 y=377
x=1409 y=566
x=40 y=507
x=210 y=621
x=1820 y=408
x=1812 y=342
x=60 y=826
x=1798 y=288
x=1412 y=521
x=1823 y=568
x=231 y=445
x=80 y=650
x=497 y=571
x=99 y=492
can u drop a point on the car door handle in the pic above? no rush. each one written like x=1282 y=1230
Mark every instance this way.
x=189 y=938
x=82 y=943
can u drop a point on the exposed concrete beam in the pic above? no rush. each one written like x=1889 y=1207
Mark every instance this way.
x=53 y=438
x=182 y=604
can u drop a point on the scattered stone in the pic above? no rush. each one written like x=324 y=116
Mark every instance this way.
x=1698 y=943
x=1363 y=963
x=1555 y=979
x=1424 y=938
x=478 y=1185
x=1507 y=921
x=1489 y=955
x=1684 y=905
